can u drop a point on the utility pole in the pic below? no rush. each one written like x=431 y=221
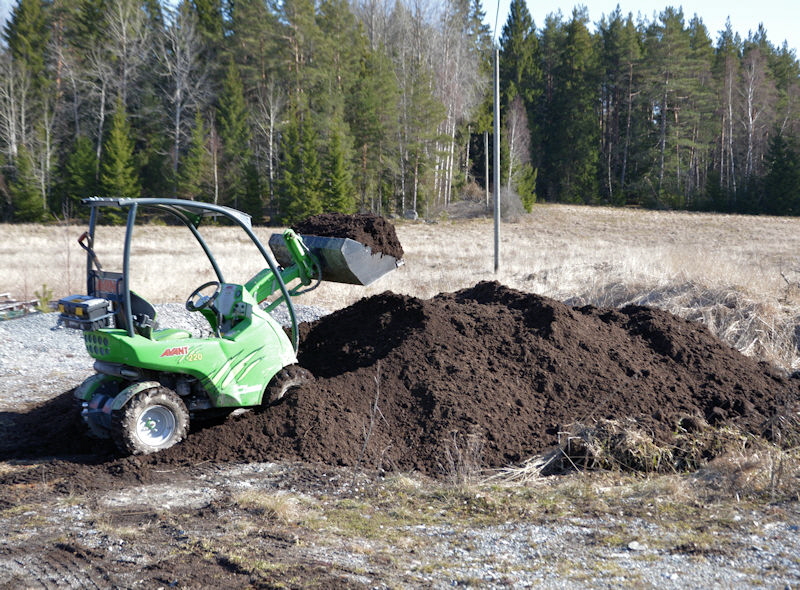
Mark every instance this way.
x=496 y=160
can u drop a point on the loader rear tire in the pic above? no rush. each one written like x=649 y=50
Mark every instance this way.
x=94 y=428
x=153 y=420
x=287 y=379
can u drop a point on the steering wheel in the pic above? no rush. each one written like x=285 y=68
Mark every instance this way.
x=202 y=301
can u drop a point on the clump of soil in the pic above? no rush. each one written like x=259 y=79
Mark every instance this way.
x=409 y=384
x=369 y=229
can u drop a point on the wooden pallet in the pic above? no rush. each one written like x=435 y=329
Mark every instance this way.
x=11 y=308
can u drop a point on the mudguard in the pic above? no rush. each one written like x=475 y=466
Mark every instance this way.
x=86 y=390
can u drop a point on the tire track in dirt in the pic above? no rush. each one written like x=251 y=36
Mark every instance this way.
x=64 y=565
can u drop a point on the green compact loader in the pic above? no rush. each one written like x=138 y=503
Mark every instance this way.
x=150 y=380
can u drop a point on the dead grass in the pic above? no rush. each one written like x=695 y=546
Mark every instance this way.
x=739 y=275
x=744 y=466
x=463 y=458
x=279 y=506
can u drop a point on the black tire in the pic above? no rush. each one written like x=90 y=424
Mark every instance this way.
x=287 y=379
x=89 y=425
x=98 y=425
x=94 y=429
x=153 y=420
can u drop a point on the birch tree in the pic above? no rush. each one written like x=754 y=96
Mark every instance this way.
x=28 y=98
x=727 y=72
x=14 y=97
x=459 y=83
x=757 y=94
x=270 y=101
x=184 y=76
x=519 y=141
x=127 y=45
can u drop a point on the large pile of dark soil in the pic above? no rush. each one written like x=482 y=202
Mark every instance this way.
x=402 y=382
x=371 y=230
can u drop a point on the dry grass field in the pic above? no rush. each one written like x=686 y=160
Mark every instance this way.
x=739 y=275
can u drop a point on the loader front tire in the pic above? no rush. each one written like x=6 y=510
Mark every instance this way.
x=153 y=420
x=287 y=379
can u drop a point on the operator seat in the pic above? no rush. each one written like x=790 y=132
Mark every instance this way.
x=109 y=285
x=144 y=316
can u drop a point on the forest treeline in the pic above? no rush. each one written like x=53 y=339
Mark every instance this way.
x=289 y=108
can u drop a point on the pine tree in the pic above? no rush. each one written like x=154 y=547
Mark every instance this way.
x=336 y=64
x=79 y=181
x=571 y=154
x=479 y=32
x=195 y=165
x=520 y=73
x=300 y=184
x=620 y=56
x=672 y=73
x=235 y=135
x=526 y=186
x=312 y=171
x=342 y=41
x=255 y=42
x=84 y=26
x=289 y=191
x=302 y=41
x=26 y=199
x=27 y=34
x=338 y=193
x=700 y=130
x=212 y=23
x=371 y=115
x=424 y=113
x=118 y=175
x=782 y=182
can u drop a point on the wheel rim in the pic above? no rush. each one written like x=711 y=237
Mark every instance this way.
x=156 y=426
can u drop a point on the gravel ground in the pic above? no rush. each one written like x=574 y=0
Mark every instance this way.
x=568 y=555
x=759 y=548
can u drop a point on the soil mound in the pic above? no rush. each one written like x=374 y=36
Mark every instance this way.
x=371 y=230
x=402 y=382
x=409 y=384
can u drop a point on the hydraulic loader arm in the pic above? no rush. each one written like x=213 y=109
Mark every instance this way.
x=305 y=268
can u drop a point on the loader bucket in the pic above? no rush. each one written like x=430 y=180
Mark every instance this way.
x=342 y=260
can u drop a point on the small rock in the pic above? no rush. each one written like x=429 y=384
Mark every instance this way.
x=636 y=546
